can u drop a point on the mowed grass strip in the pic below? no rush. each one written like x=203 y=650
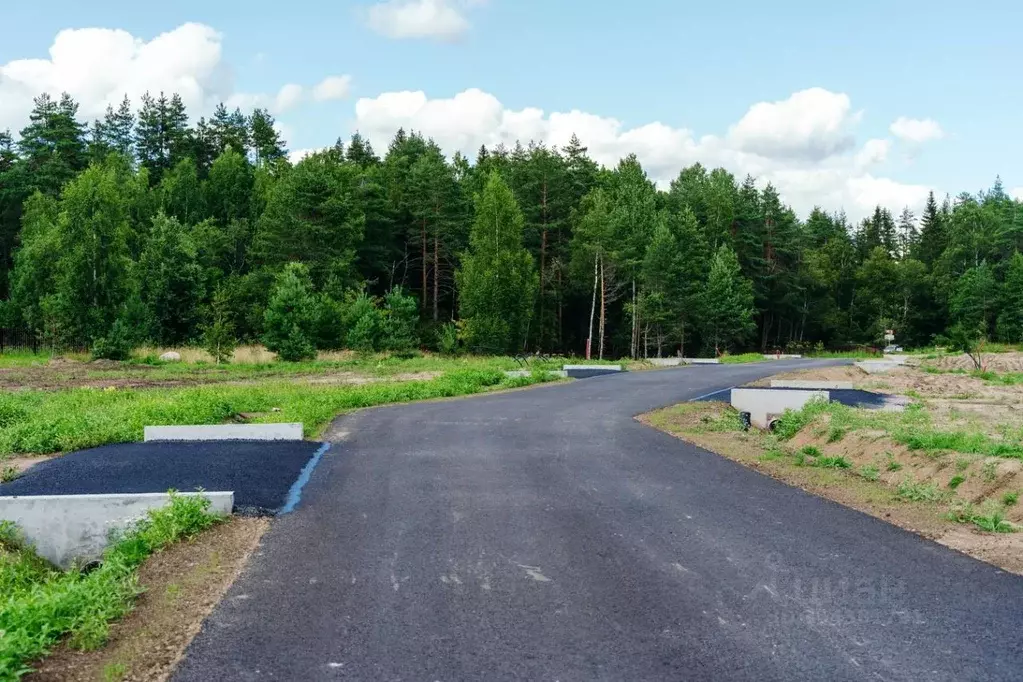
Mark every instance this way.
x=45 y=421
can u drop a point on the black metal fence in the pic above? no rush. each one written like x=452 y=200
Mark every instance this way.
x=26 y=341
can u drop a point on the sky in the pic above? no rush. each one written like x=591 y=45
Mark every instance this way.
x=844 y=106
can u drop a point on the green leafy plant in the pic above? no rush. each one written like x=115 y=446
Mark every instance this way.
x=1010 y=499
x=956 y=482
x=912 y=491
x=832 y=463
x=811 y=451
x=870 y=472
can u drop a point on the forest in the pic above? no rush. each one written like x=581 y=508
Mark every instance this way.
x=143 y=227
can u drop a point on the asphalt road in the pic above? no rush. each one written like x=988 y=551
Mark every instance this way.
x=261 y=474
x=546 y=535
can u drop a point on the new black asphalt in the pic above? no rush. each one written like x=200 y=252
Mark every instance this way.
x=261 y=474
x=546 y=535
x=853 y=397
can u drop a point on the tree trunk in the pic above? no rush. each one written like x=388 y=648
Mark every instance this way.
x=436 y=278
x=635 y=324
x=543 y=265
x=593 y=309
x=426 y=291
x=603 y=308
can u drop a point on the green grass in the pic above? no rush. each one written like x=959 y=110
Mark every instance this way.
x=956 y=482
x=870 y=472
x=811 y=451
x=990 y=519
x=912 y=491
x=40 y=606
x=56 y=421
x=8 y=474
x=1010 y=499
x=912 y=428
x=744 y=358
x=832 y=463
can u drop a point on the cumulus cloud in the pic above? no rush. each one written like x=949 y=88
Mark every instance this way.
x=1016 y=193
x=288 y=97
x=443 y=20
x=804 y=145
x=100 y=66
x=332 y=87
x=916 y=130
x=811 y=124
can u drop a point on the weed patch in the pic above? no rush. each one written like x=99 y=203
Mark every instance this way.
x=41 y=605
x=912 y=491
x=832 y=463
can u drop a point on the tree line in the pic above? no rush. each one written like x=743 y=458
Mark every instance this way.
x=143 y=227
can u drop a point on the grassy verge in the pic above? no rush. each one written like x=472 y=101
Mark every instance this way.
x=40 y=605
x=56 y=421
x=744 y=358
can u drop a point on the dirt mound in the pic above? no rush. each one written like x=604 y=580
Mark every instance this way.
x=992 y=362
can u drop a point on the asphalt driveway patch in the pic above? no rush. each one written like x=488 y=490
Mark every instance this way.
x=260 y=473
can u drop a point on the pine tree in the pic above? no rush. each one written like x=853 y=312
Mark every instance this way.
x=933 y=236
x=497 y=280
x=53 y=145
x=1010 y=319
x=119 y=127
x=266 y=141
x=727 y=305
x=290 y=315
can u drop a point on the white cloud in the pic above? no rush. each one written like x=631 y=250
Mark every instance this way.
x=916 y=130
x=297 y=155
x=1017 y=193
x=332 y=87
x=288 y=97
x=443 y=20
x=99 y=66
x=812 y=124
x=805 y=144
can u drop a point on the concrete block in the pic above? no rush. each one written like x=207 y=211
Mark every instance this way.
x=665 y=362
x=701 y=361
x=781 y=356
x=878 y=366
x=897 y=359
x=225 y=432
x=587 y=371
x=765 y=404
x=815 y=385
x=516 y=373
x=65 y=528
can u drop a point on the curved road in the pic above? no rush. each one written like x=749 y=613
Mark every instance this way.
x=547 y=535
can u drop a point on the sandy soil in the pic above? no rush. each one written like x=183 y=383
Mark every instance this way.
x=23 y=464
x=59 y=374
x=987 y=480
x=994 y=362
x=182 y=585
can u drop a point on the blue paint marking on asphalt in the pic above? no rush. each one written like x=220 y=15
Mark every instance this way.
x=295 y=494
x=711 y=395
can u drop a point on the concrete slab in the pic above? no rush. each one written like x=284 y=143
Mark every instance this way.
x=66 y=528
x=665 y=362
x=701 y=361
x=516 y=373
x=587 y=371
x=816 y=385
x=782 y=356
x=878 y=366
x=765 y=404
x=224 y=432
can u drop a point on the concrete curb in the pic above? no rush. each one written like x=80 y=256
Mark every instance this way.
x=587 y=371
x=764 y=404
x=701 y=361
x=225 y=432
x=520 y=373
x=813 y=385
x=65 y=528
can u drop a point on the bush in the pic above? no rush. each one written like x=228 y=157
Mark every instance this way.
x=116 y=345
x=401 y=316
x=364 y=321
x=447 y=339
x=290 y=316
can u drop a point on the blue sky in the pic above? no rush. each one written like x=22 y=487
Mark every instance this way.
x=695 y=66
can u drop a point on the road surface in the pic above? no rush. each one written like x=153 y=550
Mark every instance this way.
x=546 y=535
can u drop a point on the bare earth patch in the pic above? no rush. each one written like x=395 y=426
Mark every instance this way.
x=182 y=585
x=993 y=362
x=985 y=480
x=23 y=464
